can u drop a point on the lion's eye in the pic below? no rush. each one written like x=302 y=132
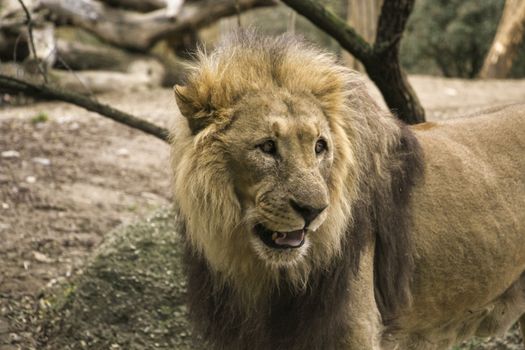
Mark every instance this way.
x=268 y=147
x=320 y=146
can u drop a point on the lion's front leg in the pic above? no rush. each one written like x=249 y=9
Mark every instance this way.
x=364 y=321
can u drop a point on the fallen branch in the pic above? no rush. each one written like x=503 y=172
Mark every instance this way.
x=142 y=74
x=13 y=85
x=140 y=31
x=83 y=56
x=137 y=5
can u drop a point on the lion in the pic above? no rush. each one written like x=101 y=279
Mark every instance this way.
x=314 y=219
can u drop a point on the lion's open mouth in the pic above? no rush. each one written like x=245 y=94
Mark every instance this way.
x=280 y=240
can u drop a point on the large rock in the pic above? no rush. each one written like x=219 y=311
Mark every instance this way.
x=130 y=295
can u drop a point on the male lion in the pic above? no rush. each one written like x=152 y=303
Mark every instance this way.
x=315 y=220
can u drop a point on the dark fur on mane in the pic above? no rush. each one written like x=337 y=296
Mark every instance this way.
x=391 y=219
x=285 y=320
x=317 y=317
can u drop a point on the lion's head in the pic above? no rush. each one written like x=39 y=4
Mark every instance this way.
x=285 y=174
x=269 y=158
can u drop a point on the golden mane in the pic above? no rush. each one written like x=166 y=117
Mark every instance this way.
x=247 y=63
x=376 y=163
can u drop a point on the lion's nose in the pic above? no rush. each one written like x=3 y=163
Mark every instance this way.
x=308 y=212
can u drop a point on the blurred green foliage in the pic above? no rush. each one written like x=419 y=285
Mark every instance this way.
x=443 y=37
x=452 y=37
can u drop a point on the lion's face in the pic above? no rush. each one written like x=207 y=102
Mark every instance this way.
x=280 y=152
x=264 y=165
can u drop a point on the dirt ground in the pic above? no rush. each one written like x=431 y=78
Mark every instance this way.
x=68 y=176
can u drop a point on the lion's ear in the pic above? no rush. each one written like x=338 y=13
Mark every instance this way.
x=196 y=109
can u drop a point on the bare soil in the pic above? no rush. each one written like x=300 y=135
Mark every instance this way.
x=68 y=176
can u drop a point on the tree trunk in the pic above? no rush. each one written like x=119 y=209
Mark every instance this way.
x=382 y=60
x=397 y=92
x=507 y=41
x=384 y=67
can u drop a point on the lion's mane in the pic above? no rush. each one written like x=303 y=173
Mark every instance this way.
x=377 y=161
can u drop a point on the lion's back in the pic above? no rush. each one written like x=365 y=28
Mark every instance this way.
x=496 y=137
x=468 y=216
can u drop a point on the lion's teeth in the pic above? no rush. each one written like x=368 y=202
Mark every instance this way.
x=276 y=235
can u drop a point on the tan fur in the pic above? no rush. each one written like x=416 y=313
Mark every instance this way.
x=468 y=215
x=469 y=225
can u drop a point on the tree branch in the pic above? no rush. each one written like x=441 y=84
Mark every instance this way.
x=391 y=23
x=382 y=60
x=334 y=26
x=13 y=85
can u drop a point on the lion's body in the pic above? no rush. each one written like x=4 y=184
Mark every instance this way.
x=314 y=220
x=469 y=230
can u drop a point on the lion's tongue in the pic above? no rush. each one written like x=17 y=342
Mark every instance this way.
x=292 y=239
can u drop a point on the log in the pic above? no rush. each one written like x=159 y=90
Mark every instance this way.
x=141 y=74
x=81 y=56
x=140 y=31
x=137 y=5
x=99 y=67
x=81 y=50
x=171 y=6
x=138 y=74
